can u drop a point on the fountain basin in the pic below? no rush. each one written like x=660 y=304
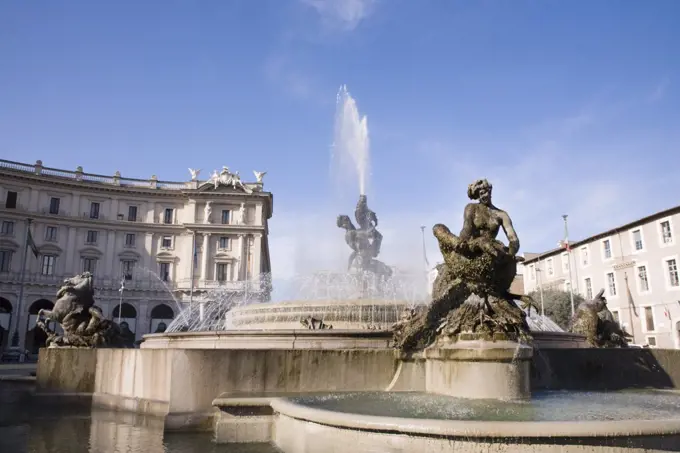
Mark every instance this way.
x=551 y=422
x=351 y=314
x=479 y=369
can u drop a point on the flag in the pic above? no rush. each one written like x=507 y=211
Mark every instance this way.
x=564 y=245
x=666 y=312
x=31 y=243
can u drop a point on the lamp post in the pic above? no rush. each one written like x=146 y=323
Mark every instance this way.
x=540 y=287
x=566 y=245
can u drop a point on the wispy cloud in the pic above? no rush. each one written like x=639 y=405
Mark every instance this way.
x=342 y=14
x=293 y=80
x=659 y=90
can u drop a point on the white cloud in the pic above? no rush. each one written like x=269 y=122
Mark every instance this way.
x=343 y=14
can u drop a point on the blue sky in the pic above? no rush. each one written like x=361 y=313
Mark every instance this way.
x=566 y=106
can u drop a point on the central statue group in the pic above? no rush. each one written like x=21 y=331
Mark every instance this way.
x=471 y=296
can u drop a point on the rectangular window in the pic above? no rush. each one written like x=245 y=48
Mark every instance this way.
x=94 y=210
x=532 y=272
x=589 y=289
x=644 y=281
x=127 y=267
x=666 y=234
x=225 y=216
x=5 y=260
x=637 y=239
x=51 y=234
x=565 y=263
x=11 y=200
x=611 y=284
x=54 y=205
x=549 y=265
x=585 y=259
x=167 y=215
x=132 y=213
x=567 y=286
x=165 y=271
x=651 y=341
x=221 y=272
x=7 y=228
x=607 y=249
x=223 y=243
x=130 y=239
x=89 y=265
x=47 y=267
x=91 y=237
x=672 y=266
x=166 y=242
x=649 y=319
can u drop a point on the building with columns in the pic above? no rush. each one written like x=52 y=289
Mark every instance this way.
x=167 y=241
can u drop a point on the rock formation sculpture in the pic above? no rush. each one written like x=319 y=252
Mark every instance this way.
x=471 y=298
x=83 y=324
x=594 y=320
x=364 y=241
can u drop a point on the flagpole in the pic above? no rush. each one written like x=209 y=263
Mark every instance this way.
x=120 y=303
x=24 y=260
x=571 y=282
x=193 y=269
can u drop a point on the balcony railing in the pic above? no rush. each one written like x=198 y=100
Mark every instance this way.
x=100 y=283
x=116 y=180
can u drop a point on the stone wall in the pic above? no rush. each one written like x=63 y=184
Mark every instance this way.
x=181 y=384
x=66 y=371
x=605 y=369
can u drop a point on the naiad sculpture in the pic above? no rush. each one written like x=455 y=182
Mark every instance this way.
x=470 y=297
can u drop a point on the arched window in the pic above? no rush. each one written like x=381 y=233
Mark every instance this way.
x=35 y=336
x=128 y=317
x=5 y=321
x=161 y=315
x=127 y=311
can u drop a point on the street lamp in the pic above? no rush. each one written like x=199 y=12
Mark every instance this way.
x=566 y=245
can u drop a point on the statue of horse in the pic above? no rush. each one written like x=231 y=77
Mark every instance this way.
x=83 y=324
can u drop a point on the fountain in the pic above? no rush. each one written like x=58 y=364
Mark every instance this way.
x=358 y=362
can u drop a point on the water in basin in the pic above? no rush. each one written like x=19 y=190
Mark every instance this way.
x=544 y=406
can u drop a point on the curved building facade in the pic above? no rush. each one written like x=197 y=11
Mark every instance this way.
x=162 y=241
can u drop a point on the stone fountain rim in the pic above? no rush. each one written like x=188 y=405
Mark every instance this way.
x=475 y=428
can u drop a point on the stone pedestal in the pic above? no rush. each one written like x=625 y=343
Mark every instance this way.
x=479 y=369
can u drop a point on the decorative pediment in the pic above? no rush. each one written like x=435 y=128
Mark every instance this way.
x=50 y=249
x=225 y=179
x=9 y=244
x=165 y=257
x=209 y=187
x=129 y=255
x=223 y=257
x=91 y=252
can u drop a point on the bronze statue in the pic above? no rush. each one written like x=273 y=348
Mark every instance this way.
x=365 y=241
x=594 y=320
x=471 y=292
x=84 y=324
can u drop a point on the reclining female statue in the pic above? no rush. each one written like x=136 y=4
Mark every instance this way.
x=475 y=263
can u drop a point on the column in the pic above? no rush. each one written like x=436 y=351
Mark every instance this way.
x=242 y=258
x=192 y=211
x=151 y=212
x=109 y=255
x=70 y=249
x=113 y=209
x=204 y=256
x=258 y=215
x=147 y=253
x=75 y=205
x=257 y=255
